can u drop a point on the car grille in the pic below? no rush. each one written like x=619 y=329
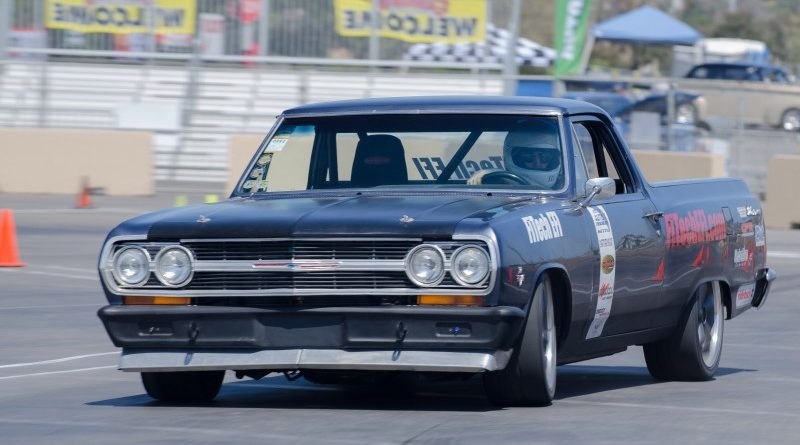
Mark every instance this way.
x=309 y=280
x=310 y=301
x=300 y=250
x=258 y=267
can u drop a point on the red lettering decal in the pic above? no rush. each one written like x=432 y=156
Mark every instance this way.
x=669 y=222
x=682 y=231
x=703 y=226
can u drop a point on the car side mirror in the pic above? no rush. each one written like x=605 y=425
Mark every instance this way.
x=602 y=188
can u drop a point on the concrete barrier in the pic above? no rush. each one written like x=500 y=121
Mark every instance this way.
x=667 y=166
x=781 y=210
x=241 y=148
x=49 y=160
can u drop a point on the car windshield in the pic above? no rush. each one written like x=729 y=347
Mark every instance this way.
x=428 y=150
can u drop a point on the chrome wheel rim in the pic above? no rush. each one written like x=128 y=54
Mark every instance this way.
x=709 y=323
x=791 y=120
x=549 y=339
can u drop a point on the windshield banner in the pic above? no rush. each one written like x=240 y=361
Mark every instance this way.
x=572 y=19
x=419 y=21
x=121 y=16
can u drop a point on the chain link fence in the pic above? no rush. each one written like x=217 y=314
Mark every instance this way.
x=289 y=28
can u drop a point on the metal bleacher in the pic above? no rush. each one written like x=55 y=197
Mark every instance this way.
x=215 y=101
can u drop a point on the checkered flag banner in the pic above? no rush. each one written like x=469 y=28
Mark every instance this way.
x=529 y=53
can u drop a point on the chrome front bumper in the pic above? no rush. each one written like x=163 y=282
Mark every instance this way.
x=137 y=360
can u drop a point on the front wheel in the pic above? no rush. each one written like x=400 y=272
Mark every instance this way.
x=192 y=386
x=529 y=379
x=693 y=352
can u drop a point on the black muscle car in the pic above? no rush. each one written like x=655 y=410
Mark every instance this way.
x=449 y=235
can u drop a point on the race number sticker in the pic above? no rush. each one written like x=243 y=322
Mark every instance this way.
x=761 y=240
x=277 y=143
x=280 y=139
x=608 y=263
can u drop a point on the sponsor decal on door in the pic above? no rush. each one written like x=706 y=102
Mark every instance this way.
x=608 y=260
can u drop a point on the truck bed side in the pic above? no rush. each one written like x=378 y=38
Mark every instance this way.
x=713 y=229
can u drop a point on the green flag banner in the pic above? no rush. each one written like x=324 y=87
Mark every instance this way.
x=572 y=19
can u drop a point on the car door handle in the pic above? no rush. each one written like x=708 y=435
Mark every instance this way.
x=655 y=216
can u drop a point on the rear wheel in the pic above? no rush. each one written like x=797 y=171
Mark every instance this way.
x=194 y=386
x=692 y=353
x=529 y=379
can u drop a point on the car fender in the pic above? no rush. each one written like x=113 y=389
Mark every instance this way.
x=725 y=288
x=562 y=294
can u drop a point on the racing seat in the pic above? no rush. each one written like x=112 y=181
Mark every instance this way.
x=379 y=160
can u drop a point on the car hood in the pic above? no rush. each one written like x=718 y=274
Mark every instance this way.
x=365 y=215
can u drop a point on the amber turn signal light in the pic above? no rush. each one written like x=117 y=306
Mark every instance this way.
x=450 y=300
x=128 y=299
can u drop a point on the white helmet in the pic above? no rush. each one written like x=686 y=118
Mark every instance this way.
x=533 y=153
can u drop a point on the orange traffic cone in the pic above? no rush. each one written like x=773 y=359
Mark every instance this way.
x=84 y=199
x=9 y=255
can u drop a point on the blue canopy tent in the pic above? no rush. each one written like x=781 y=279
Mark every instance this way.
x=646 y=25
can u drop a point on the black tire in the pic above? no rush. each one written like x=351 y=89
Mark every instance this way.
x=194 y=386
x=529 y=379
x=693 y=351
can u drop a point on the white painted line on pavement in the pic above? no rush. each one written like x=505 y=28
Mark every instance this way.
x=51 y=306
x=50 y=274
x=763 y=346
x=92 y=270
x=751 y=333
x=57 y=372
x=743 y=412
x=783 y=254
x=97 y=210
x=58 y=360
x=186 y=432
x=778 y=379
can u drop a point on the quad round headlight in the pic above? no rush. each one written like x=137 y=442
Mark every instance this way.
x=174 y=266
x=131 y=266
x=425 y=265
x=469 y=265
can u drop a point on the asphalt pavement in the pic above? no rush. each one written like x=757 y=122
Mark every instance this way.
x=59 y=383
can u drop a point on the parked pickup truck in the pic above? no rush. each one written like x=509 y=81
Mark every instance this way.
x=435 y=235
x=755 y=94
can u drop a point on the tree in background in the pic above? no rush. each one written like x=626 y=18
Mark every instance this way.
x=775 y=22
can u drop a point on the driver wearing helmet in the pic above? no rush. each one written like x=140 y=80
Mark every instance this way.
x=533 y=154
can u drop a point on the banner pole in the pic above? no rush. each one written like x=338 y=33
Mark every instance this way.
x=151 y=27
x=374 y=48
x=6 y=22
x=510 y=67
x=263 y=29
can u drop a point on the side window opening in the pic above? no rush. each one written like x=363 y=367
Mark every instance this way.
x=601 y=155
x=581 y=170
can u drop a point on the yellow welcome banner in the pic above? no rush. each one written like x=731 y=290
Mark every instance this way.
x=121 y=16
x=419 y=21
